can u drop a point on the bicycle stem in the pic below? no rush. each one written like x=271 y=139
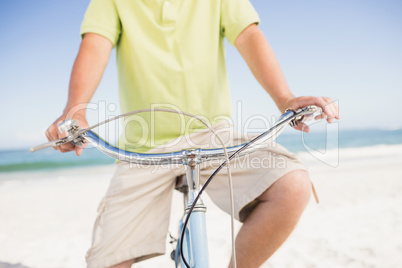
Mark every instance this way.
x=192 y=162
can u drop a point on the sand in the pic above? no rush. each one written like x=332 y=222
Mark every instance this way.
x=46 y=217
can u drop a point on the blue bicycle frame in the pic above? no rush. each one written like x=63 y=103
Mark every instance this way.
x=195 y=247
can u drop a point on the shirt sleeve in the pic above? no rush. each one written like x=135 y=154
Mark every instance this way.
x=236 y=15
x=102 y=18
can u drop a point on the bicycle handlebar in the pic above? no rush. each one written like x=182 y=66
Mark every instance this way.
x=77 y=136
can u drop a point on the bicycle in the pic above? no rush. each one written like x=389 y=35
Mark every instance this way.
x=192 y=248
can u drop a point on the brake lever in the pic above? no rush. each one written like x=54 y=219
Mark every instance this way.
x=75 y=135
x=305 y=114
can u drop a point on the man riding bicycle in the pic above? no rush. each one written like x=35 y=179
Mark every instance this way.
x=170 y=54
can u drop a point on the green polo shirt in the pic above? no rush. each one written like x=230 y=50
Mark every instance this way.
x=170 y=54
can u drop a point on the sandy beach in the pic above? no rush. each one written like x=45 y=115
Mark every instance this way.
x=46 y=217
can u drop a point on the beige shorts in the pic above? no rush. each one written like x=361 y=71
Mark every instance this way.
x=134 y=215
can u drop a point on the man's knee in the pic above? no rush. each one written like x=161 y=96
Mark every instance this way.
x=293 y=189
x=298 y=186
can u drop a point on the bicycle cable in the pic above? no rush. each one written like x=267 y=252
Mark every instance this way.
x=226 y=162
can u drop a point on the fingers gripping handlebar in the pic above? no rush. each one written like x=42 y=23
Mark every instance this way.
x=73 y=130
x=74 y=135
x=307 y=115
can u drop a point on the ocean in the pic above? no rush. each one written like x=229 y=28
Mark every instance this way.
x=22 y=160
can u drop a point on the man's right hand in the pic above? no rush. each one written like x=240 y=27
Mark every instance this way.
x=53 y=133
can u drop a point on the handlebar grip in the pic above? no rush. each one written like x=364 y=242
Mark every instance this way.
x=43 y=146
x=50 y=144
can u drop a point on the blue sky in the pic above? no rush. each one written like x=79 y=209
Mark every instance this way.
x=348 y=50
